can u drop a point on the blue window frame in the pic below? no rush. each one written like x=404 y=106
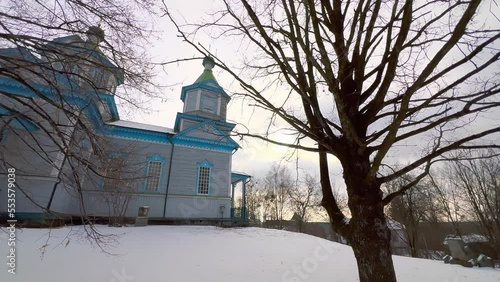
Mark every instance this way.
x=204 y=181
x=154 y=173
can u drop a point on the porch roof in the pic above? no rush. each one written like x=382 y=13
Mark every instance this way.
x=239 y=176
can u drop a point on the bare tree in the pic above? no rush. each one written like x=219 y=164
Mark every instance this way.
x=411 y=209
x=304 y=197
x=121 y=176
x=254 y=199
x=369 y=76
x=449 y=199
x=478 y=178
x=276 y=184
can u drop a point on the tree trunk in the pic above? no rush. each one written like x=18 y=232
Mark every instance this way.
x=367 y=231
x=413 y=252
x=412 y=239
x=370 y=240
x=300 y=226
x=369 y=234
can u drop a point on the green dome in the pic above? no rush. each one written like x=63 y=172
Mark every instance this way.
x=207 y=75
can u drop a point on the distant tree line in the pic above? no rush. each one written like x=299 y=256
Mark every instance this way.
x=465 y=189
x=280 y=196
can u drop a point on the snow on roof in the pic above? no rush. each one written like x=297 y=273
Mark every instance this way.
x=474 y=238
x=468 y=238
x=241 y=173
x=143 y=126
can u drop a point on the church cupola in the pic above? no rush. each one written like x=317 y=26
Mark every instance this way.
x=83 y=61
x=207 y=76
x=79 y=67
x=95 y=35
x=102 y=75
x=205 y=98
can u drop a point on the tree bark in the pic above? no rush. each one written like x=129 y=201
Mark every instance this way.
x=370 y=239
x=367 y=231
x=369 y=236
x=370 y=242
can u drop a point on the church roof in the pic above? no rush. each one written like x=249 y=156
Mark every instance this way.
x=143 y=126
x=239 y=176
x=17 y=52
x=207 y=75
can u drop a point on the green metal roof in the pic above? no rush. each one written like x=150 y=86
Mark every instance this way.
x=207 y=75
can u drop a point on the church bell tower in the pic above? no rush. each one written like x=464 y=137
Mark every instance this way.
x=204 y=99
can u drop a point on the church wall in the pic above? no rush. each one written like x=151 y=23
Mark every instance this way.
x=21 y=156
x=28 y=191
x=136 y=154
x=183 y=201
x=20 y=147
x=205 y=115
x=103 y=203
x=223 y=108
x=185 y=169
x=99 y=202
x=36 y=169
x=184 y=207
x=191 y=100
x=17 y=148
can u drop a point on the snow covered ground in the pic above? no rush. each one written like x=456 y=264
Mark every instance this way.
x=208 y=254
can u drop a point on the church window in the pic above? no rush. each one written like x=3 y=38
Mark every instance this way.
x=154 y=172
x=204 y=173
x=209 y=104
x=112 y=172
x=111 y=84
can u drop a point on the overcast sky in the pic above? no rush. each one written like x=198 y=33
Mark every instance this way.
x=255 y=157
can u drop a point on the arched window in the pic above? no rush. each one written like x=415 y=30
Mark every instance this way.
x=203 y=179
